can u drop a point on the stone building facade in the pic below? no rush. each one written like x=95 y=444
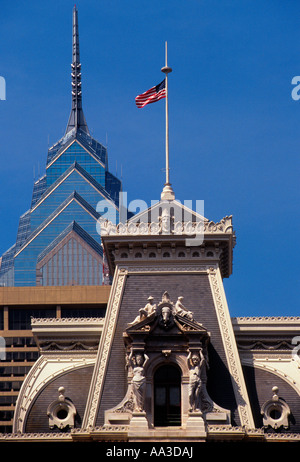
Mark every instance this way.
x=166 y=362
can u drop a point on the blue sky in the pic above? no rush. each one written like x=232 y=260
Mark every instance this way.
x=234 y=126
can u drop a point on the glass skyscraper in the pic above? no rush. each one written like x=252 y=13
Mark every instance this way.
x=57 y=240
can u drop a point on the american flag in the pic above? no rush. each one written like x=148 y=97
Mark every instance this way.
x=151 y=96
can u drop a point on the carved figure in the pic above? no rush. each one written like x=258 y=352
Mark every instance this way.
x=147 y=310
x=165 y=312
x=166 y=297
x=181 y=310
x=138 y=362
x=165 y=221
x=165 y=315
x=197 y=365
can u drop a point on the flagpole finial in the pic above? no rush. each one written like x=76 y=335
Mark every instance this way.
x=166 y=69
x=167 y=192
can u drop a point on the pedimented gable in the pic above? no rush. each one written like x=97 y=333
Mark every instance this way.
x=163 y=209
x=164 y=319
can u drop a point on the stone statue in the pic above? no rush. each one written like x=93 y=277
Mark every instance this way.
x=197 y=367
x=165 y=318
x=165 y=221
x=181 y=310
x=165 y=311
x=166 y=298
x=138 y=362
x=147 y=310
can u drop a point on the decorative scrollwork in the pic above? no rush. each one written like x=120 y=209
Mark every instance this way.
x=156 y=227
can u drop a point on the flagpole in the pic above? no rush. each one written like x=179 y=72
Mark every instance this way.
x=167 y=193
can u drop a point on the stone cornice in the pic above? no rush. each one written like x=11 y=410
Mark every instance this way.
x=119 y=433
x=189 y=228
x=35 y=437
x=263 y=319
x=180 y=239
x=69 y=321
x=262 y=324
x=272 y=336
x=67 y=334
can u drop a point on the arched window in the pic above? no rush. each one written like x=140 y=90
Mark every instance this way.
x=167 y=396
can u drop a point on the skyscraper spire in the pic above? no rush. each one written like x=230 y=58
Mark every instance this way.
x=76 y=119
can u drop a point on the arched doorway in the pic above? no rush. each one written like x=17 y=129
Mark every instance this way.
x=167 y=396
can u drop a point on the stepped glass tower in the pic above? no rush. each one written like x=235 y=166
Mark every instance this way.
x=57 y=241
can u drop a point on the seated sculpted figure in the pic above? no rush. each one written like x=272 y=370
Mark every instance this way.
x=181 y=310
x=146 y=311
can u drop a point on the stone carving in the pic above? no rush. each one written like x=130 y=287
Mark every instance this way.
x=271 y=345
x=166 y=298
x=181 y=310
x=138 y=362
x=165 y=311
x=166 y=320
x=163 y=227
x=68 y=345
x=144 y=312
x=127 y=405
x=61 y=412
x=165 y=221
x=275 y=412
x=157 y=336
x=199 y=400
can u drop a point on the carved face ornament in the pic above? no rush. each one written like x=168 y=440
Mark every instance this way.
x=195 y=359
x=139 y=359
x=166 y=312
